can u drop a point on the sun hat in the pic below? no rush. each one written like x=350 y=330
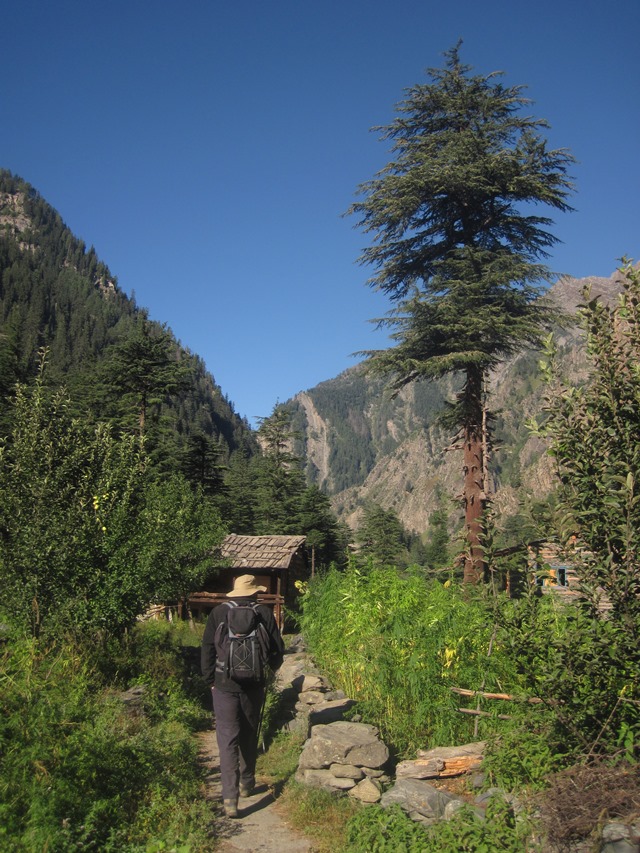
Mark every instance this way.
x=245 y=585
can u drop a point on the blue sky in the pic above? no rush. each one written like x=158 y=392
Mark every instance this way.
x=208 y=151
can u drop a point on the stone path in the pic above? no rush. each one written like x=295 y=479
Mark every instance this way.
x=260 y=828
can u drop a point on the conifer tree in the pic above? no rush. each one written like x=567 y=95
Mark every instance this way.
x=201 y=464
x=238 y=499
x=459 y=247
x=144 y=368
x=279 y=476
x=318 y=522
x=382 y=536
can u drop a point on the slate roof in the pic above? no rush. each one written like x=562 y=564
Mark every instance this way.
x=260 y=552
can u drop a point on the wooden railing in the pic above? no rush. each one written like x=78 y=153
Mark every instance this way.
x=204 y=602
x=481 y=694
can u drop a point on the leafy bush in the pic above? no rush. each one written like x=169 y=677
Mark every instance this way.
x=378 y=830
x=80 y=768
x=587 y=673
x=583 y=659
x=87 y=539
x=593 y=433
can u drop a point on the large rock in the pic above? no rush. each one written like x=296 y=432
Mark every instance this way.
x=323 y=779
x=620 y=838
x=344 y=743
x=329 y=712
x=419 y=799
x=347 y=771
x=312 y=697
x=367 y=791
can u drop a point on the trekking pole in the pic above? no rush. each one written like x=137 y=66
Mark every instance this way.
x=259 y=732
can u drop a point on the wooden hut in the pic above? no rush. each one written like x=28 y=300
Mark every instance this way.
x=276 y=561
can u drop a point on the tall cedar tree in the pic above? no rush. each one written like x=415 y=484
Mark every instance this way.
x=458 y=248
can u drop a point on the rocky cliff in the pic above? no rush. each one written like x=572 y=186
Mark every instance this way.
x=362 y=444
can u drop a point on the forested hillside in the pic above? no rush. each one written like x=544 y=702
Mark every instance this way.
x=56 y=293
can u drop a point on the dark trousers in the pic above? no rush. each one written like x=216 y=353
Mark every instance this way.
x=237 y=722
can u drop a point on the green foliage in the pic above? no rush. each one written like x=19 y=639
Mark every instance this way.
x=583 y=659
x=500 y=830
x=525 y=752
x=279 y=477
x=587 y=671
x=436 y=551
x=377 y=830
x=80 y=769
x=87 y=540
x=451 y=244
x=143 y=370
x=397 y=643
x=593 y=431
x=317 y=521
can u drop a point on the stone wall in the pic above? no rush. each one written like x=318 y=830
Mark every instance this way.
x=349 y=757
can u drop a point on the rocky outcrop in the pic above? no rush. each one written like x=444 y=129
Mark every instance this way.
x=421 y=800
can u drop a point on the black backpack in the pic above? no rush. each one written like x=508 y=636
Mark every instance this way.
x=242 y=644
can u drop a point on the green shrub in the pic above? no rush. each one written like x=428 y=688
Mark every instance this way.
x=378 y=830
x=88 y=538
x=587 y=672
x=82 y=770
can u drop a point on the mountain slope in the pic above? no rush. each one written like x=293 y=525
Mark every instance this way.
x=363 y=445
x=55 y=293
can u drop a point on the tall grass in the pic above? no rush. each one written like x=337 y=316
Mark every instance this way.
x=397 y=643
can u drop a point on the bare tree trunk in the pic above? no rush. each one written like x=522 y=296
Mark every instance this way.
x=473 y=495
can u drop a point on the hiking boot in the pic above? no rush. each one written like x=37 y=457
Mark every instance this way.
x=230 y=808
x=246 y=790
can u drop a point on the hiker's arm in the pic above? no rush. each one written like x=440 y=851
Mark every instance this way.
x=208 y=651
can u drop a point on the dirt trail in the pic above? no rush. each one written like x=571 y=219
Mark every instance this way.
x=259 y=828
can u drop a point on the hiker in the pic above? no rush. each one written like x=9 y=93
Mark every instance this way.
x=238 y=695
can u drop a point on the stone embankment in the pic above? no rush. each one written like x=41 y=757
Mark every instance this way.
x=349 y=757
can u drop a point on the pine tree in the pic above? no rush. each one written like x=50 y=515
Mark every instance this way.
x=458 y=247
x=238 y=505
x=201 y=464
x=319 y=524
x=279 y=476
x=144 y=368
x=382 y=536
